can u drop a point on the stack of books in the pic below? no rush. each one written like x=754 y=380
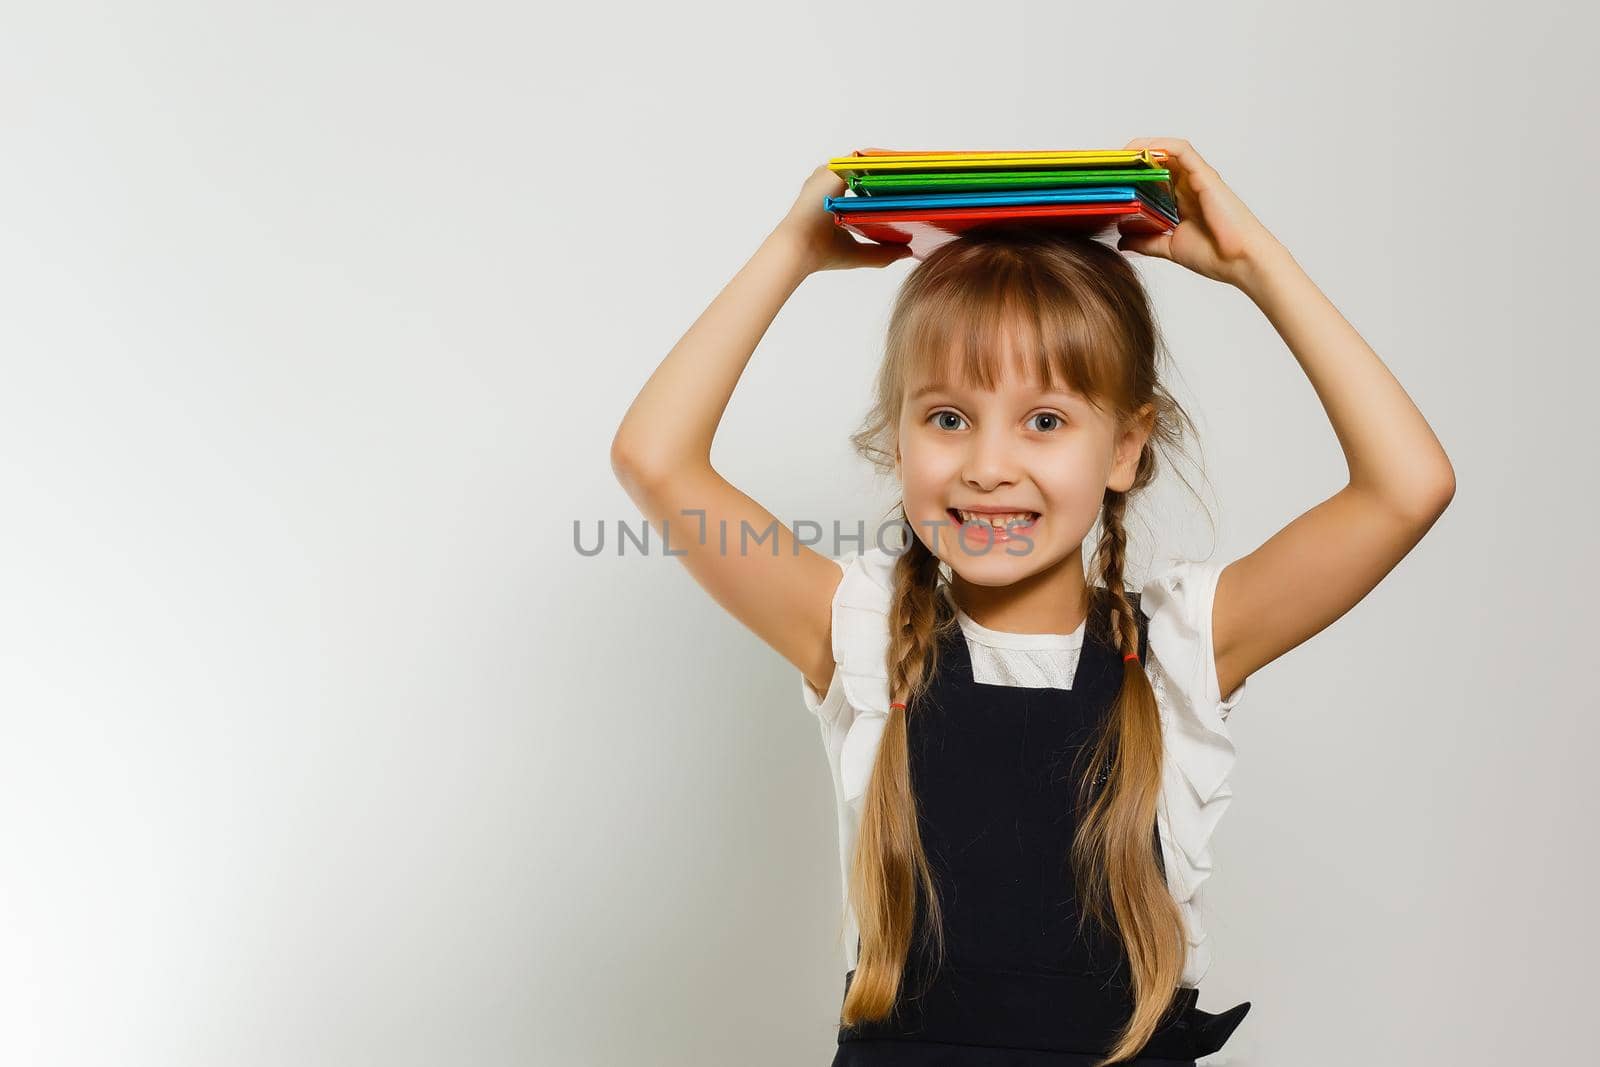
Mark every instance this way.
x=927 y=198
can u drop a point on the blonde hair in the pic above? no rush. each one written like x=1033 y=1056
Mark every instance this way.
x=1078 y=314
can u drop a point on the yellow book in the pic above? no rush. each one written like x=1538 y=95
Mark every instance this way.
x=879 y=160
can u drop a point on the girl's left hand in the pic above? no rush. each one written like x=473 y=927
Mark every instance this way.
x=1218 y=236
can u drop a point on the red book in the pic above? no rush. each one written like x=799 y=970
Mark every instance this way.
x=927 y=229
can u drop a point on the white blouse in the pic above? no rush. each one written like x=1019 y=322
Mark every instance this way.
x=1199 y=752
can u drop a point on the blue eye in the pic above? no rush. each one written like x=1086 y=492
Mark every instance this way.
x=942 y=412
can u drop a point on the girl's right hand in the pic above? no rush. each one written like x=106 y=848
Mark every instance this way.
x=824 y=244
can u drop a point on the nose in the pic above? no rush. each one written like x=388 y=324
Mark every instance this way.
x=989 y=462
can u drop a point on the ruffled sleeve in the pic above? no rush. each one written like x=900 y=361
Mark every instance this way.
x=1199 y=750
x=857 y=701
x=853 y=711
x=827 y=706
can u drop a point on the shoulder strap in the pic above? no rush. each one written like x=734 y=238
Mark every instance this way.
x=1143 y=623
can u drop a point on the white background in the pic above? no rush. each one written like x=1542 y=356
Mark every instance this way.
x=320 y=743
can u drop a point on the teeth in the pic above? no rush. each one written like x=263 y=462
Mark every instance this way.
x=999 y=522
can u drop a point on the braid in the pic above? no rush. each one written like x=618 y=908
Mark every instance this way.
x=1111 y=555
x=891 y=872
x=913 y=622
x=1121 y=883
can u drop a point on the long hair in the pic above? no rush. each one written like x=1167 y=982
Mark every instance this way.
x=1080 y=314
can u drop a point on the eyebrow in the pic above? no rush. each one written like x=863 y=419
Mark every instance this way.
x=944 y=387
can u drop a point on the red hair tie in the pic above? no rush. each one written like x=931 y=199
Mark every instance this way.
x=899 y=705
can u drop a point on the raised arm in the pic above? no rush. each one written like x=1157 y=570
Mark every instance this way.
x=1325 y=561
x=661 y=453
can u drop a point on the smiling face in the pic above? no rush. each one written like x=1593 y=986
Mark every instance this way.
x=1003 y=483
x=1019 y=374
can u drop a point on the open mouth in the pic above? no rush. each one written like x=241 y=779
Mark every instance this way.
x=999 y=526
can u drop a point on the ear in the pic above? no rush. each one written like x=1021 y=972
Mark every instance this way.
x=1127 y=448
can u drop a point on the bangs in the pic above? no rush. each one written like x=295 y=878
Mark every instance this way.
x=990 y=317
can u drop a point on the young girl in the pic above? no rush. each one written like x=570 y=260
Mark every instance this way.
x=1029 y=764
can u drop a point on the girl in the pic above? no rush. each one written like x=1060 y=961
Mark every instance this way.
x=1029 y=766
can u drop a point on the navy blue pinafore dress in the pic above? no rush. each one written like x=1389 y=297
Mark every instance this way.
x=994 y=771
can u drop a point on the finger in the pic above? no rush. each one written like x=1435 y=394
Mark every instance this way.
x=829 y=181
x=1183 y=159
x=1158 y=245
x=877 y=255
